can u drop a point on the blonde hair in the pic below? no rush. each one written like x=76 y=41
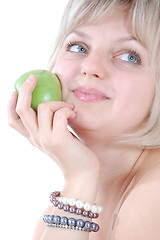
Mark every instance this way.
x=145 y=19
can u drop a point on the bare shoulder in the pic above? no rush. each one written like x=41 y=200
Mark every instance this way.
x=139 y=217
x=40 y=227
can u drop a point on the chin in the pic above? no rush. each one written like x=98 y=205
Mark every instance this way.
x=83 y=122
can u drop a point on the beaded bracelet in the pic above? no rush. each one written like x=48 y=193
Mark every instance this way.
x=75 y=206
x=67 y=227
x=70 y=209
x=70 y=223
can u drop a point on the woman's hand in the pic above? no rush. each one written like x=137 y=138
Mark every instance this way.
x=48 y=131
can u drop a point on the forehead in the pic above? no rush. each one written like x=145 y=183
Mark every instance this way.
x=113 y=27
x=116 y=19
x=114 y=24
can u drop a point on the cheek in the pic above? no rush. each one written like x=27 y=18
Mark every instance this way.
x=65 y=69
x=67 y=72
x=134 y=98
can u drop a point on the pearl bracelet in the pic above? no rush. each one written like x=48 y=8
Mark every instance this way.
x=79 y=204
x=70 y=223
x=77 y=211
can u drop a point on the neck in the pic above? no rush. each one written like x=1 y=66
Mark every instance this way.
x=116 y=161
x=118 y=168
x=119 y=165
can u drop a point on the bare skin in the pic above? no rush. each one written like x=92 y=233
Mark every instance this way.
x=142 y=193
x=115 y=176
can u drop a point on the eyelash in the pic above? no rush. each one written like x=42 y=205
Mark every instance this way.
x=71 y=44
x=134 y=53
x=129 y=51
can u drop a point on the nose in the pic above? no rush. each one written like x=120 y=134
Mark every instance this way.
x=93 y=66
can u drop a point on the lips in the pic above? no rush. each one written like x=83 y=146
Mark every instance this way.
x=89 y=94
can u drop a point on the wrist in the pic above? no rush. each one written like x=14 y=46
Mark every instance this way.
x=83 y=205
x=83 y=188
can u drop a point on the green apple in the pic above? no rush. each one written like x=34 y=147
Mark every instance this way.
x=48 y=87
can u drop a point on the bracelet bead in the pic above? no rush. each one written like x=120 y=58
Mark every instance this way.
x=100 y=209
x=94 y=209
x=67 y=227
x=55 y=194
x=71 y=223
x=80 y=223
x=79 y=211
x=79 y=204
x=95 y=215
x=65 y=200
x=60 y=205
x=91 y=215
x=75 y=206
x=87 y=206
x=45 y=218
x=66 y=208
x=94 y=227
x=51 y=218
x=87 y=225
x=57 y=219
x=72 y=202
x=55 y=203
x=60 y=199
x=72 y=209
x=64 y=220
x=85 y=213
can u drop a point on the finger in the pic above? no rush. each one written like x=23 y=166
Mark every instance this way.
x=46 y=112
x=12 y=115
x=60 y=121
x=13 y=119
x=24 y=110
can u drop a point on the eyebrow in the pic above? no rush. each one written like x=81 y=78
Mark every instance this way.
x=81 y=34
x=126 y=39
x=123 y=39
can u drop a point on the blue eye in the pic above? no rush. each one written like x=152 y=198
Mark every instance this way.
x=75 y=47
x=130 y=57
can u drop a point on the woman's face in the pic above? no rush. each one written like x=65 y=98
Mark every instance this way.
x=106 y=73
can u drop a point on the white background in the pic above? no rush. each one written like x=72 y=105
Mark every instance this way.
x=27 y=176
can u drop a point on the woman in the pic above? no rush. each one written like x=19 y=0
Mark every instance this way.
x=107 y=58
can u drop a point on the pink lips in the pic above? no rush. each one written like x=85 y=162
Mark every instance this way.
x=89 y=94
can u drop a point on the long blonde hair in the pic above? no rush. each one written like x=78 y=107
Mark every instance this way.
x=145 y=20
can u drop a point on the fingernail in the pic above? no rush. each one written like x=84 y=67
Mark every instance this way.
x=30 y=78
x=71 y=105
x=13 y=95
